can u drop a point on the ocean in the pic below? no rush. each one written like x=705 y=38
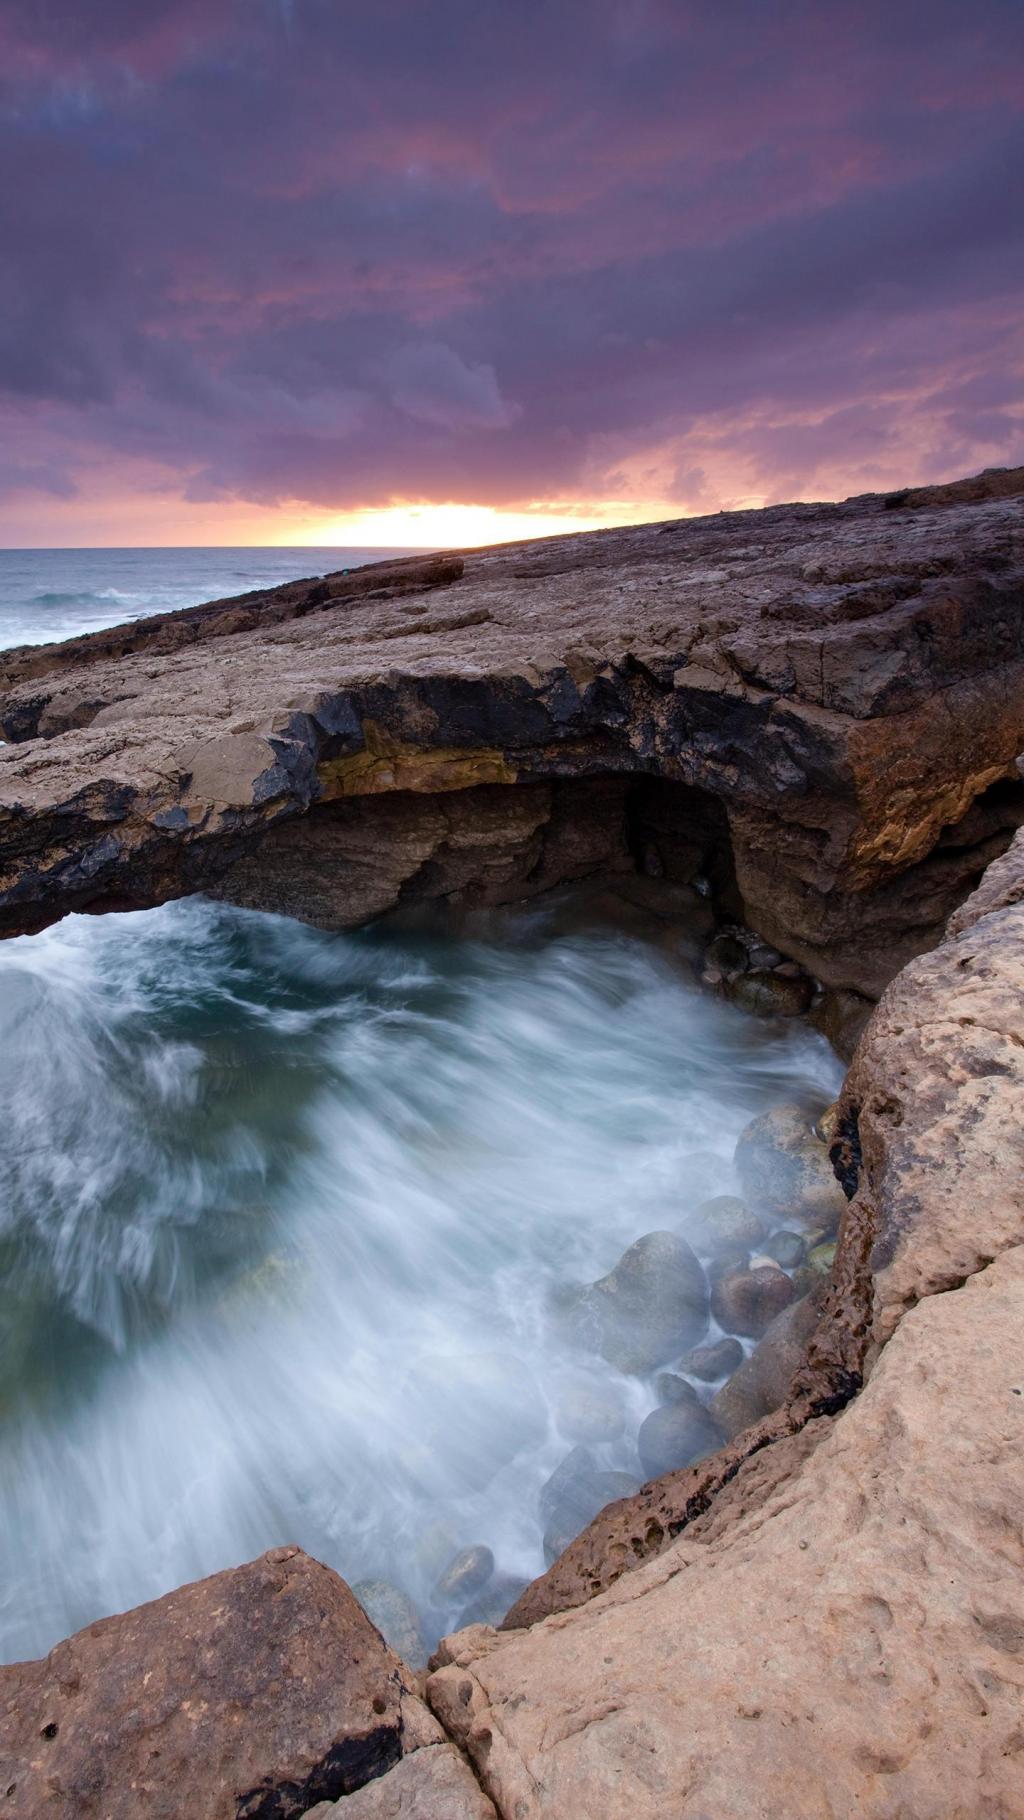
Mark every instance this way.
x=46 y=595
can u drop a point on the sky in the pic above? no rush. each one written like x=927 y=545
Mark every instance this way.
x=446 y=271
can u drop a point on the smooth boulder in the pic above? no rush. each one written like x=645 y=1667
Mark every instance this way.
x=713 y=1359
x=646 y=1311
x=396 y=1617
x=785 y=1171
x=571 y=1498
x=675 y=1435
x=725 y=1227
x=747 y=1301
x=761 y=1383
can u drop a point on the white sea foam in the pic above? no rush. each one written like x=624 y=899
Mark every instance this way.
x=279 y=1215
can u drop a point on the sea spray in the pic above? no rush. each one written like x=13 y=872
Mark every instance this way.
x=281 y=1217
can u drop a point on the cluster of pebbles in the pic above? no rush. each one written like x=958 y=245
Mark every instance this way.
x=712 y=1322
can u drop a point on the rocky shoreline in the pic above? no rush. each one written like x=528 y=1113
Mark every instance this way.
x=828 y=1549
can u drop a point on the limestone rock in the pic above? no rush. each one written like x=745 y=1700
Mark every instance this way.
x=257 y=1692
x=770 y=994
x=788 y=663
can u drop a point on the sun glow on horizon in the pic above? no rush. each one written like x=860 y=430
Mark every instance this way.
x=451 y=525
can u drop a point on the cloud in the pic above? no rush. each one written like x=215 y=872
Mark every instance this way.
x=348 y=255
x=432 y=384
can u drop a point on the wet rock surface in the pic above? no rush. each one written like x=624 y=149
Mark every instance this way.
x=714 y=1359
x=747 y=1301
x=432 y=1784
x=773 y=674
x=396 y=1617
x=651 y=1306
x=727 y=1226
x=674 y=1435
x=785 y=1170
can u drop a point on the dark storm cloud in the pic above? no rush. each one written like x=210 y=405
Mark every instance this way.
x=342 y=253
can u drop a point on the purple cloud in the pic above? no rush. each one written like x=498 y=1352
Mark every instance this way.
x=343 y=255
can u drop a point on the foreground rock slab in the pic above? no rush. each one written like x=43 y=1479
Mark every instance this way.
x=855 y=1645
x=252 y=1695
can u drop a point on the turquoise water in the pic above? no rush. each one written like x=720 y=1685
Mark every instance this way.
x=280 y=1215
x=47 y=595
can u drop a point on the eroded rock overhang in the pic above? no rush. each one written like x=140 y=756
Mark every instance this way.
x=845 y=684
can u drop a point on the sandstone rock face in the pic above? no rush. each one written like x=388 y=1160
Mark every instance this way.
x=248 y=1696
x=774 y=673
x=675 y=1434
x=931 y=1137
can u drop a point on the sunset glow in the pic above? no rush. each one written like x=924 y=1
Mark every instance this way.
x=292 y=273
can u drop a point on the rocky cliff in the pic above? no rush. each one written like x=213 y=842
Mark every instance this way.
x=825 y=701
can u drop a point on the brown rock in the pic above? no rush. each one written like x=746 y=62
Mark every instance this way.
x=645 y=1311
x=762 y=1382
x=788 y=663
x=434 y=1783
x=250 y=1695
x=747 y=1301
x=466 y=1574
x=770 y=994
